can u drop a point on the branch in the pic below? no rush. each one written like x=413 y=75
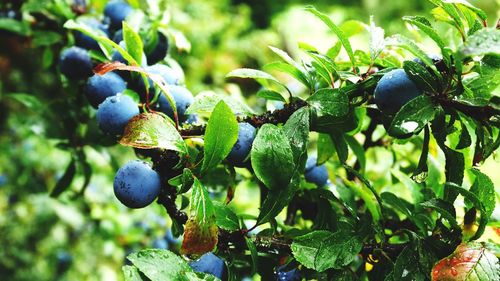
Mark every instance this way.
x=272 y=117
x=481 y=113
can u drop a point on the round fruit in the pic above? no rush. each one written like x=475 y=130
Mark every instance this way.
x=314 y=173
x=136 y=184
x=169 y=76
x=85 y=41
x=118 y=36
x=211 y=264
x=291 y=275
x=75 y=63
x=394 y=90
x=160 y=50
x=117 y=11
x=114 y=113
x=242 y=147
x=183 y=99
x=99 y=87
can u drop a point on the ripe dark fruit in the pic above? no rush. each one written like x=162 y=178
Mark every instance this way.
x=291 y=275
x=394 y=90
x=160 y=49
x=75 y=63
x=115 y=112
x=99 y=87
x=183 y=99
x=211 y=264
x=242 y=147
x=64 y=261
x=314 y=173
x=85 y=41
x=169 y=76
x=118 y=36
x=117 y=11
x=136 y=184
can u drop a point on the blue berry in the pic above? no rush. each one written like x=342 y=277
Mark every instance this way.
x=114 y=113
x=291 y=275
x=85 y=41
x=75 y=63
x=242 y=147
x=435 y=58
x=3 y=179
x=183 y=99
x=136 y=184
x=117 y=11
x=211 y=264
x=394 y=90
x=169 y=76
x=99 y=87
x=314 y=173
x=160 y=49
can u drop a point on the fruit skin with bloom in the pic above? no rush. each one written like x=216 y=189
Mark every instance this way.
x=75 y=63
x=117 y=11
x=210 y=264
x=99 y=87
x=136 y=184
x=317 y=174
x=114 y=113
x=183 y=99
x=84 y=41
x=243 y=145
x=394 y=90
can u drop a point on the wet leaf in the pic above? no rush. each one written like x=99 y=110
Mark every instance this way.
x=469 y=262
x=151 y=130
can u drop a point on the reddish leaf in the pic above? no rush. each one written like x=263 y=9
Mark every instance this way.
x=199 y=238
x=469 y=262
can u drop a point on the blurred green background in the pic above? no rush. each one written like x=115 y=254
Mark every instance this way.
x=87 y=237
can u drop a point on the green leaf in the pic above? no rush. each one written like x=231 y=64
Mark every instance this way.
x=225 y=217
x=424 y=25
x=151 y=130
x=65 y=181
x=446 y=210
x=289 y=69
x=19 y=27
x=358 y=150
x=277 y=199
x=407 y=44
x=297 y=130
x=488 y=79
x=377 y=42
x=340 y=145
x=158 y=264
x=253 y=253
x=133 y=43
x=321 y=250
x=421 y=76
x=414 y=263
x=200 y=231
x=28 y=100
x=469 y=262
x=483 y=42
x=413 y=116
x=251 y=73
x=471 y=197
x=329 y=103
x=205 y=102
x=484 y=189
x=325 y=148
x=132 y=273
x=45 y=38
x=397 y=203
x=220 y=136
x=340 y=34
x=270 y=95
x=272 y=157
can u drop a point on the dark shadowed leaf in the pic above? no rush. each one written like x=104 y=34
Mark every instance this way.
x=321 y=250
x=277 y=199
x=421 y=76
x=225 y=217
x=65 y=181
x=329 y=103
x=484 y=189
x=272 y=157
